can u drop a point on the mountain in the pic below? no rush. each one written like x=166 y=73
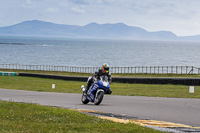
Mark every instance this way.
x=39 y=28
x=92 y=30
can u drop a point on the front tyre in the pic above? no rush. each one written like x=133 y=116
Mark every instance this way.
x=84 y=99
x=99 y=98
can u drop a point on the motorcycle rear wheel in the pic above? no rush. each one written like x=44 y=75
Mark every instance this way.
x=84 y=99
x=99 y=98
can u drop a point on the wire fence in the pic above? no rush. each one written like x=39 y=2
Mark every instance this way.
x=126 y=70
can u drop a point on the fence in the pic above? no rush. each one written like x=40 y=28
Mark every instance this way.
x=134 y=70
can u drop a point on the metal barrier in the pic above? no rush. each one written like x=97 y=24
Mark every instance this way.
x=131 y=70
x=134 y=80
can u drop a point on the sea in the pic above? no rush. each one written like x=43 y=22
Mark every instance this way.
x=95 y=52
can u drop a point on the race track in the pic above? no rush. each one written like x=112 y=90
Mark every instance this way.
x=177 y=110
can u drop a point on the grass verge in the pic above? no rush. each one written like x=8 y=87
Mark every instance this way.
x=21 y=117
x=151 y=90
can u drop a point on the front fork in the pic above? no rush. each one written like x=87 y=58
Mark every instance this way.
x=99 y=91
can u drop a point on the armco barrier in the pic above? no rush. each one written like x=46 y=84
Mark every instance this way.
x=71 y=78
x=175 y=81
x=138 y=80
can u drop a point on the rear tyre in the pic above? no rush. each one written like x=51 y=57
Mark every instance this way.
x=84 y=99
x=99 y=98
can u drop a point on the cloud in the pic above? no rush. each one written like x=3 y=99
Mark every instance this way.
x=28 y=4
x=79 y=2
x=52 y=10
x=28 y=1
x=78 y=9
x=99 y=1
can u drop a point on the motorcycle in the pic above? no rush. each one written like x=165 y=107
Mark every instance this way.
x=96 y=91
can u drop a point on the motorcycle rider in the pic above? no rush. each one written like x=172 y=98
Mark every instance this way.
x=103 y=71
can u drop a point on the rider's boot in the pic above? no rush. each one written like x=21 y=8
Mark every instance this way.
x=86 y=90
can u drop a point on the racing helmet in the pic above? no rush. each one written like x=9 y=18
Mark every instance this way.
x=105 y=68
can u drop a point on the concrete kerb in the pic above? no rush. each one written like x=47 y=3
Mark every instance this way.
x=157 y=125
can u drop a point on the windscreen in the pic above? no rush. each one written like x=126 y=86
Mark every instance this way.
x=104 y=78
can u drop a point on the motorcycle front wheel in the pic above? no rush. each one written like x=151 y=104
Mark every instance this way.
x=99 y=98
x=84 y=99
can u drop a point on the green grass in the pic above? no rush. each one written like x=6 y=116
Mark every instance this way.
x=177 y=91
x=40 y=84
x=113 y=75
x=151 y=90
x=32 y=118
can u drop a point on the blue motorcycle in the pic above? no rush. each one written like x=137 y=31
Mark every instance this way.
x=96 y=91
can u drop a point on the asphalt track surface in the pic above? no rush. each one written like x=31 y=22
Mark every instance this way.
x=177 y=110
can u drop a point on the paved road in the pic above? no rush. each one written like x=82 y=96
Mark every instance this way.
x=178 y=110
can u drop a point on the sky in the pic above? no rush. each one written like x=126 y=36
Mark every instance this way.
x=182 y=17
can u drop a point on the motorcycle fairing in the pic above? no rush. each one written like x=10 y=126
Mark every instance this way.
x=91 y=92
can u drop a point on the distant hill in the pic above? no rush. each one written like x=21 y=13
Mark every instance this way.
x=92 y=30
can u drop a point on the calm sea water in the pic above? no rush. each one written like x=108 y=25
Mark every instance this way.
x=86 y=52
